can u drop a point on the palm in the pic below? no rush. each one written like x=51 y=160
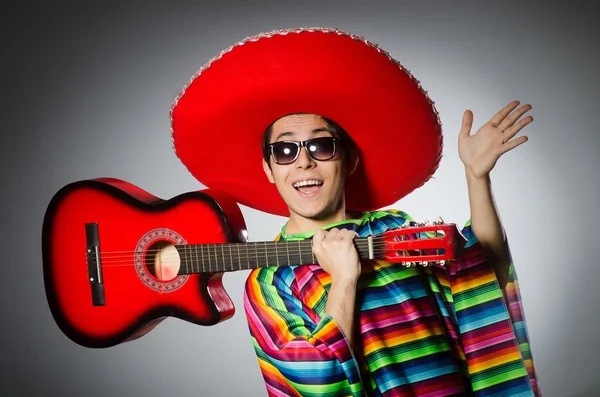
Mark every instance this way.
x=480 y=152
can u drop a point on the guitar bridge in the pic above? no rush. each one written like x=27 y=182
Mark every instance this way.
x=93 y=264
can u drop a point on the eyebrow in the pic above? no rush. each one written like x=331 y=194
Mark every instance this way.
x=315 y=131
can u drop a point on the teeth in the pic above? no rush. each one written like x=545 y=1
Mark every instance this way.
x=307 y=183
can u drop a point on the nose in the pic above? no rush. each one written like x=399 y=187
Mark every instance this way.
x=304 y=161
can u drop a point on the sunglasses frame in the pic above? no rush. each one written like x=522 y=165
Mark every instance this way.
x=300 y=145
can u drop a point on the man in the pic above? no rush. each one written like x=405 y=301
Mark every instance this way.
x=346 y=326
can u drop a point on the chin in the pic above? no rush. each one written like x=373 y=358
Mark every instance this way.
x=319 y=214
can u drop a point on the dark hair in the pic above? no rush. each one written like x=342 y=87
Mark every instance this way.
x=347 y=144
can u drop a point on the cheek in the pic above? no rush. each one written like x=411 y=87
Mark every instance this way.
x=278 y=177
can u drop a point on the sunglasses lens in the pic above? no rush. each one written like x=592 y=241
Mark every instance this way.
x=321 y=148
x=284 y=152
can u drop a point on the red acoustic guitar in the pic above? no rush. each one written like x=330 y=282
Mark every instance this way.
x=118 y=260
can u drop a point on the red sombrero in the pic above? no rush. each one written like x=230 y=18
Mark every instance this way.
x=219 y=117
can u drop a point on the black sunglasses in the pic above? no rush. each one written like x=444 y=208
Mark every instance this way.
x=286 y=152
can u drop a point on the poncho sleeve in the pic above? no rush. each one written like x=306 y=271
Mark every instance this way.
x=299 y=352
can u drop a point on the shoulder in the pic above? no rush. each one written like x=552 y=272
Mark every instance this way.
x=387 y=214
x=377 y=222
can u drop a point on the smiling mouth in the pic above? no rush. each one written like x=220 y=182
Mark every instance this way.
x=308 y=187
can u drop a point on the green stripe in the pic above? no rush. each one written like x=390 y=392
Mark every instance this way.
x=498 y=374
x=476 y=296
x=379 y=359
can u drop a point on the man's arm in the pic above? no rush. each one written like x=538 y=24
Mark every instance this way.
x=337 y=255
x=486 y=225
x=479 y=153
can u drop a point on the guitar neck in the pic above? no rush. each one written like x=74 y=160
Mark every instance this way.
x=227 y=257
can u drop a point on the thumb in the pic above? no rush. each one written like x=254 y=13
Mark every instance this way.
x=467 y=123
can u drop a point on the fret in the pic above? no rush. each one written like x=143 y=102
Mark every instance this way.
x=191 y=249
x=266 y=254
x=189 y=257
x=183 y=254
x=256 y=253
x=300 y=252
x=209 y=258
x=312 y=252
x=245 y=255
x=248 y=257
x=230 y=256
x=239 y=256
x=202 y=255
x=287 y=249
x=220 y=266
x=223 y=256
x=276 y=254
x=217 y=257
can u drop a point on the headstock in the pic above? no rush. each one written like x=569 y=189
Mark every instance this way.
x=423 y=244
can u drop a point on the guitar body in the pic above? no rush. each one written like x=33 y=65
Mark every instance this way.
x=131 y=224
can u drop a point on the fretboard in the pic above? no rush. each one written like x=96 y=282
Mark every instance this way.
x=228 y=257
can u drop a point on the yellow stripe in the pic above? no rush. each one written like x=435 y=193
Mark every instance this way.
x=470 y=284
x=402 y=339
x=496 y=361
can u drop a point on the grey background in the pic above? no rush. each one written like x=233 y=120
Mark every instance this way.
x=86 y=90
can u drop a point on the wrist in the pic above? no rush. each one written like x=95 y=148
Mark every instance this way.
x=344 y=281
x=473 y=177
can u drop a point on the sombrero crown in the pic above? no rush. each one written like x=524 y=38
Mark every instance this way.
x=219 y=117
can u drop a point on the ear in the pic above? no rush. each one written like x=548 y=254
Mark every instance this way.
x=268 y=171
x=353 y=162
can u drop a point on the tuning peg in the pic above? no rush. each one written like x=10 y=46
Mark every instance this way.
x=407 y=264
x=442 y=262
x=425 y=263
x=438 y=221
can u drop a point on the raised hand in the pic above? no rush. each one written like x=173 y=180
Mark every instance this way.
x=479 y=152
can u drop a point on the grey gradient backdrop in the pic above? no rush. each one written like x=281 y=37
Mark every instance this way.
x=86 y=91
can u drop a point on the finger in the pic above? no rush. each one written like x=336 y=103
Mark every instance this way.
x=512 y=131
x=318 y=239
x=510 y=145
x=467 y=123
x=513 y=117
x=347 y=234
x=501 y=115
x=333 y=233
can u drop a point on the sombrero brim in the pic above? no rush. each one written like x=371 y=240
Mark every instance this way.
x=219 y=117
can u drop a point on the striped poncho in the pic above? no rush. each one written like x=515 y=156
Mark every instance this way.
x=420 y=331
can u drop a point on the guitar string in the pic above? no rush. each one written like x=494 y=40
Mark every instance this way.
x=169 y=261
x=191 y=252
x=261 y=251
x=377 y=240
x=260 y=246
x=258 y=249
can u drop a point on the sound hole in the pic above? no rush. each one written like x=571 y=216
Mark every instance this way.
x=162 y=260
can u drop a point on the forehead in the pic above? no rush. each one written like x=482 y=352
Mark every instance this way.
x=299 y=125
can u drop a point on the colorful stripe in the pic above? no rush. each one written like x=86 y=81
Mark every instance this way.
x=433 y=331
